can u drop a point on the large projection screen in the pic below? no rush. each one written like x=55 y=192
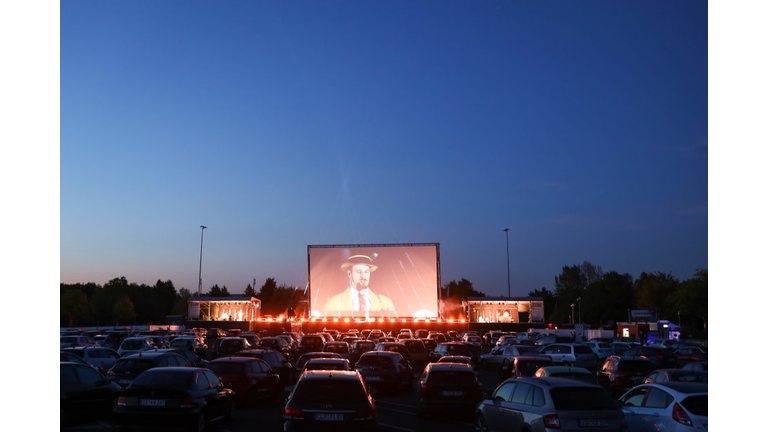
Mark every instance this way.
x=402 y=280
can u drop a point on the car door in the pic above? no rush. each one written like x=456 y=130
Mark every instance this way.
x=217 y=402
x=95 y=391
x=498 y=414
x=631 y=406
x=554 y=352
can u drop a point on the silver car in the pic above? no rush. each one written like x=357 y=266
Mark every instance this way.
x=603 y=350
x=567 y=354
x=669 y=406
x=548 y=404
x=495 y=358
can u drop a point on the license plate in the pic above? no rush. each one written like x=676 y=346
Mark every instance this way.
x=329 y=417
x=592 y=423
x=452 y=393
x=152 y=402
x=373 y=378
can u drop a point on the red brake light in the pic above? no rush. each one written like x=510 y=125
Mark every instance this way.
x=658 y=354
x=292 y=412
x=552 y=421
x=681 y=416
x=121 y=401
x=187 y=403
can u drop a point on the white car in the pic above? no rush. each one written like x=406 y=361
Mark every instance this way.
x=99 y=357
x=669 y=406
x=602 y=349
x=568 y=354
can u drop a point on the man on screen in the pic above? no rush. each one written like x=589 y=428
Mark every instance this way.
x=358 y=299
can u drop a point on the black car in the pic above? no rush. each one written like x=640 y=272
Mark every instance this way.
x=394 y=347
x=177 y=397
x=454 y=348
x=385 y=371
x=229 y=345
x=358 y=348
x=275 y=360
x=131 y=366
x=310 y=343
x=277 y=344
x=448 y=388
x=312 y=355
x=330 y=401
x=85 y=393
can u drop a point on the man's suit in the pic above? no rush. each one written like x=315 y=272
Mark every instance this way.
x=341 y=305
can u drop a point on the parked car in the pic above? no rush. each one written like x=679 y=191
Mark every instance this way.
x=620 y=347
x=494 y=359
x=660 y=356
x=250 y=378
x=137 y=344
x=114 y=339
x=180 y=397
x=385 y=371
x=670 y=406
x=313 y=355
x=458 y=359
x=191 y=343
x=337 y=401
x=275 y=360
x=620 y=373
x=569 y=372
x=568 y=354
x=228 y=346
x=429 y=344
x=671 y=375
x=128 y=367
x=193 y=358
x=454 y=348
x=602 y=350
x=85 y=393
x=417 y=353
x=326 y=364
x=358 y=348
x=543 y=404
x=99 y=357
x=340 y=348
x=72 y=358
x=523 y=366
x=74 y=341
x=448 y=388
x=690 y=354
x=394 y=347
x=277 y=344
x=310 y=343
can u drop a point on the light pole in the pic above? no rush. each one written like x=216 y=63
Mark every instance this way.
x=572 y=317
x=579 y=300
x=200 y=272
x=509 y=289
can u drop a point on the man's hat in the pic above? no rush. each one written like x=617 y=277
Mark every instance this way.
x=359 y=259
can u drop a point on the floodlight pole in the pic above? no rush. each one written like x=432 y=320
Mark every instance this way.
x=200 y=272
x=509 y=289
x=579 y=300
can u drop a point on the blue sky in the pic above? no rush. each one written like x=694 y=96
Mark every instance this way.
x=580 y=126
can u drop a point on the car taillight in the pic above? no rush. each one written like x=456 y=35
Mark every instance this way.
x=121 y=401
x=292 y=412
x=364 y=414
x=110 y=374
x=658 y=354
x=187 y=403
x=681 y=416
x=552 y=421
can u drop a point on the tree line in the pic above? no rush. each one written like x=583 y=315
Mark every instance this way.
x=606 y=298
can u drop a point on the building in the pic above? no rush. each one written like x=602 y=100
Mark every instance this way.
x=504 y=309
x=230 y=308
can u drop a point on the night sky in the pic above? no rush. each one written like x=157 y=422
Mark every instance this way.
x=580 y=126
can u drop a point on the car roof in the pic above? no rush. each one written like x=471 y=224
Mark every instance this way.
x=236 y=360
x=381 y=353
x=327 y=374
x=552 y=382
x=450 y=366
x=682 y=387
x=151 y=355
x=560 y=369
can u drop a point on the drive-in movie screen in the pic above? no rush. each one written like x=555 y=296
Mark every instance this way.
x=372 y=281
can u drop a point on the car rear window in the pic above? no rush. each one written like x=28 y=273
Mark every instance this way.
x=337 y=348
x=163 y=380
x=524 y=350
x=581 y=399
x=322 y=390
x=312 y=340
x=581 y=349
x=696 y=405
x=133 y=343
x=529 y=368
x=226 y=368
x=636 y=366
x=585 y=377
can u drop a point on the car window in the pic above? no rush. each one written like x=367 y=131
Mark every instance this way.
x=581 y=399
x=538 y=397
x=657 y=399
x=201 y=382
x=697 y=405
x=520 y=393
x=226 y=368
x=635 y=397
x=322 y=390
x=213 y=379
x=88 y=375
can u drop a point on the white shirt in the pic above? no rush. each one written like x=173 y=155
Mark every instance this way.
x=354 y=293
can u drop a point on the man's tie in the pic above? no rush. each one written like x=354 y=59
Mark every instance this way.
x=362 y=302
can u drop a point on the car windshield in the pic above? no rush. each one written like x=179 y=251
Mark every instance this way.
x=161 y=379
x=131 y=366
x=337 y=348
x=327 y=390
x=453 y=349
x=581 y=399
x=696 y=405
x=226 y=368
x=180 y=342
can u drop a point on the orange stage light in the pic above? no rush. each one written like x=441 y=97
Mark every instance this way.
x=335 y=320
x=325 y=319
x=450 y=320
x=391 y=320
x=346 y=319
